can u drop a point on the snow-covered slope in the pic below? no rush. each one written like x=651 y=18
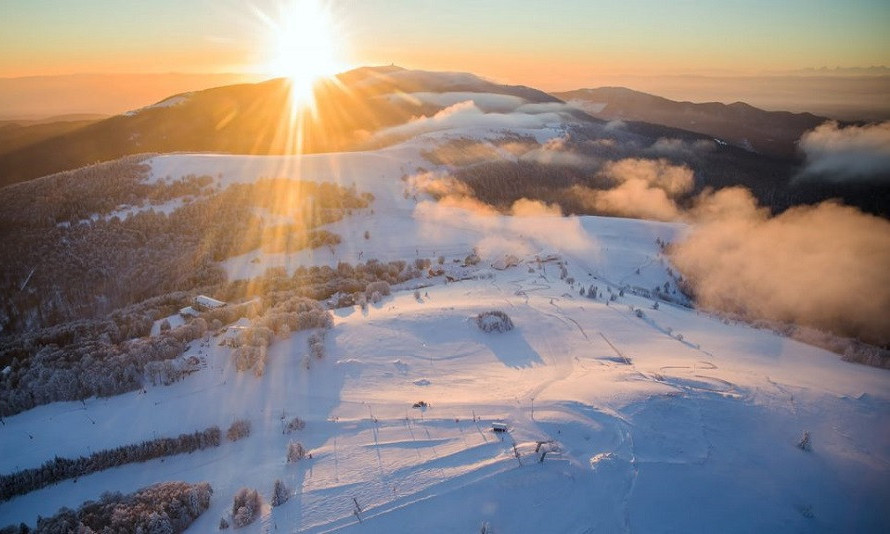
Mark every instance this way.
x=652 y=420
x=166 y=103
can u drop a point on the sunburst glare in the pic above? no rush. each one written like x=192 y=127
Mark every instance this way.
x=305 y=47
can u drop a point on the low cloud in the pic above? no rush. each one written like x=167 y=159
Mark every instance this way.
x=645 y=189
x=634 y=198
x=545 y=107
x=534 y=208
x=468 y=115
x=838 y=153
x=556 y=151
x=728 y=204
x=453 y=193
x=486 y=102
x=519 y=147
x=468 y=203
x=678 y=148
x=531 y=227
x=437 y=184
x=824 y=266
x=675 y=180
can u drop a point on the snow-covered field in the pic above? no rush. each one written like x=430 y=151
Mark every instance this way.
x=674 y=421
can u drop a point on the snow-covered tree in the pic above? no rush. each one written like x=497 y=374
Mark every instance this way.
x=245 y=507
x=494 y=321
x=294 y=425
x=238 y=429
x=295 y=452
x=280 y=493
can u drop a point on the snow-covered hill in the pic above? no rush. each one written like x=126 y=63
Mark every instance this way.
x=621 y=415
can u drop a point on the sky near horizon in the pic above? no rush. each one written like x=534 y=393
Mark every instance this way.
x=541 y=43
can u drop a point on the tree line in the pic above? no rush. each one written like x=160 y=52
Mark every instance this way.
x=167 y=507
x=58 y=469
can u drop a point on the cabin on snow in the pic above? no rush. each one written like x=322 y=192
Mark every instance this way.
x=203 y=303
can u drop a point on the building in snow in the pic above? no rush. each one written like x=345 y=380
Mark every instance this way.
x=203 y=302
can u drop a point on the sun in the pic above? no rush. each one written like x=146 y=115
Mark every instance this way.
x=304 y=46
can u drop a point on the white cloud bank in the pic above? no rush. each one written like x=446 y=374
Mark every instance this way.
x=847 y=153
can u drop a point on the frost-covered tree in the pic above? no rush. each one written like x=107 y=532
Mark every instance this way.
x=159 y=509
x=804 y=443
x=159 y=524
x=247 y=357
x=295 y=452
x=380 y=287
x=316 y=345
x=255 y=336
x=245 y=507
x=280 y=493
x=494 y=321
x=238 y=429
x=294 y=425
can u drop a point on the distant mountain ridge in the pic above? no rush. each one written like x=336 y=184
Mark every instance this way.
x=16 y=134
x=767 y=132
x=39 y=97
x=250 y=119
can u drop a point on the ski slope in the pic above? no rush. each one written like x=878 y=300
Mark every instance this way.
x=672 y=421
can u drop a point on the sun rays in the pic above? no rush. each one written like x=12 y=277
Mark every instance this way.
x=306 y=46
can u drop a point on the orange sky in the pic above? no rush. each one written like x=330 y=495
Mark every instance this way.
x=553 y=45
